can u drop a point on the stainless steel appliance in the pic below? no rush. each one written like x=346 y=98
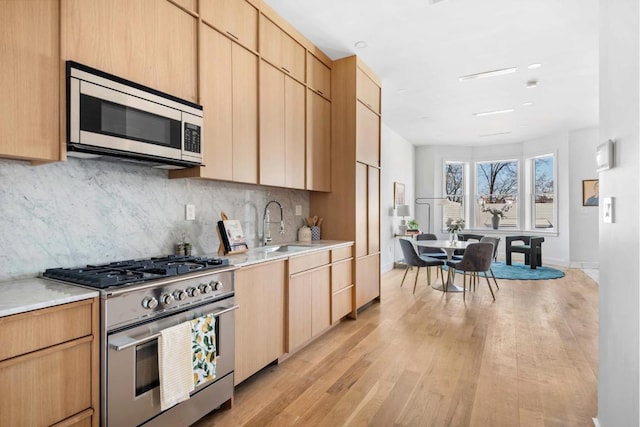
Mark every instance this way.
x=114 y=117
x=139 y=299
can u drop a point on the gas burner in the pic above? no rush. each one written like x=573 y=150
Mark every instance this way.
x=127 y=272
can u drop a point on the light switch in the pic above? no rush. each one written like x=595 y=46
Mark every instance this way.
x=190 y=212
x=298 y=210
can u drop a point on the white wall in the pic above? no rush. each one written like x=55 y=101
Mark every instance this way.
x=584 y=219
x=397 y=159
x=618 y=350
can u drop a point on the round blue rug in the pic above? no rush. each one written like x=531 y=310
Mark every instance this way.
x=524 y=272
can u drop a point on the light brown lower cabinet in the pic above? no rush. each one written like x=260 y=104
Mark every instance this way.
x=260 y=321
x=367 y=279
x=49 y=366
x=309 y=305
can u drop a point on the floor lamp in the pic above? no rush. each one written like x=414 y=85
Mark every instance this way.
x=443 y=201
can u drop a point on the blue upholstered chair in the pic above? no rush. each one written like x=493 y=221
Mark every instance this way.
x=476 y=259
x=412 y=259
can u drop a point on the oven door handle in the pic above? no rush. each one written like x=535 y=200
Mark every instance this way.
x=157 y=334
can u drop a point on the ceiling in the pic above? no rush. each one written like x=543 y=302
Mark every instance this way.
x=420 y=48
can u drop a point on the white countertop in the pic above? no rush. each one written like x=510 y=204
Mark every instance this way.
x=266 y=253
x=19 y=296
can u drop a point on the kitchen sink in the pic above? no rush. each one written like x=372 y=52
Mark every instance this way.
x=285 y=248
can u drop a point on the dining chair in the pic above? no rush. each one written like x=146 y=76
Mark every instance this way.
x=476 y=259
x=430 y=252
x=495 y=241
x=412 y=259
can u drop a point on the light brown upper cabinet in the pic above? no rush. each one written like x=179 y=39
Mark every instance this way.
x=318 y=76
x=367 y=90
x=229 y=97
x=367 y=135
x=236 y=18
x=30 y=57
x=318 y=143
x=282 y=129
x=146 y=41
x=281 y=50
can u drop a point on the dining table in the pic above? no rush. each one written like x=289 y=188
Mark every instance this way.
x=449 y=247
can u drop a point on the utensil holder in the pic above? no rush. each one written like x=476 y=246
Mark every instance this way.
x=315 y=232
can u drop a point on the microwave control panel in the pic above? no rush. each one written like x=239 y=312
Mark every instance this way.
x=192 y=138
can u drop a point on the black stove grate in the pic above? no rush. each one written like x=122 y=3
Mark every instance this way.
x=121 y=273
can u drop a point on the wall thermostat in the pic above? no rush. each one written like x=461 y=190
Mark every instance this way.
x=604 y=156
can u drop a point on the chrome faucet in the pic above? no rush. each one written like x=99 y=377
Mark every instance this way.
x=266 y=220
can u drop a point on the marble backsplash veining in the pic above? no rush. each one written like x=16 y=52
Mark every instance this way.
x=78 y=212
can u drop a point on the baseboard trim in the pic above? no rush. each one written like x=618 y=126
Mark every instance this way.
x=585 y=264
x=596 y=423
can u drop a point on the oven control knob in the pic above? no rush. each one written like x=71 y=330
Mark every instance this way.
x=180 y=295
x=192 y=292
x=150 y=303
x=205 y=288
x=216 y=285
x=166 y=299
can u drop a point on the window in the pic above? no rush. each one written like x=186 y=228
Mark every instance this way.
x=497 y=190
x=544 y=207
x=454 y=192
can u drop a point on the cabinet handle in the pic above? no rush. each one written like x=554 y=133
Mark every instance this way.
x=233 y=35
x=285 y=69
x=320 y=92
x=369 y=105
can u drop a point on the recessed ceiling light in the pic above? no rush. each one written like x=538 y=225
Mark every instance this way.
x=425 y=118
x=490 y=113
x=524 y=126
x=401 y=91
x=534 y=66
x=494 y=134
x=531 y=84
x=485 y=74
x=360 y=44
x=527 y=104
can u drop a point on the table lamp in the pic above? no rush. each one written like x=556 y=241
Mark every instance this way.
x=403 y=210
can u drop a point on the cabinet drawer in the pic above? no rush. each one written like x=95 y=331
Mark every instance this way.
x=341 y=253
x=342 y=304
x=45 y=387
x=27 y=332
x=307 y=262
x=341 y=275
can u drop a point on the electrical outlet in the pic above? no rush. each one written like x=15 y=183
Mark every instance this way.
x=298 y=210
x=190 y=212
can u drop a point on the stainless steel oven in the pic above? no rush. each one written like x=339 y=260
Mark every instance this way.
x=139 y=299
x=133 y=387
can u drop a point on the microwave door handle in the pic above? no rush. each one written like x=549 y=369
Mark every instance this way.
x=156 y=335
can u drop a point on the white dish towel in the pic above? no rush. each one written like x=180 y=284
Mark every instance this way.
x=174 y=365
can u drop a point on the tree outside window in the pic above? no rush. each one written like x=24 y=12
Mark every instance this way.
x=497 y=187
x=544 y=192
x=454 y=192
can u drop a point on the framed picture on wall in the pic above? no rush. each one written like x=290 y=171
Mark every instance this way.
x=398 y=194
x=590 y=192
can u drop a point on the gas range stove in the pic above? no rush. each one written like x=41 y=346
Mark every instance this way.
x=125 y=273
x=140 y=290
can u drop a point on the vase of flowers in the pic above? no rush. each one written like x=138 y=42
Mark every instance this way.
x=497 y=214
x=454 y=227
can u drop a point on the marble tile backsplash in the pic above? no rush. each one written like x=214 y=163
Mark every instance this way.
x=73 y=213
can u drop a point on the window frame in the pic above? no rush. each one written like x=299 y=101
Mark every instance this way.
x=518 y=198
x=531 y=220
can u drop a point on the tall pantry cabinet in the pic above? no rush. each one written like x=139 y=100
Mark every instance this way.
x=352 y=210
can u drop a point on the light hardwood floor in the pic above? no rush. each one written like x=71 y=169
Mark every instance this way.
x=528 y=359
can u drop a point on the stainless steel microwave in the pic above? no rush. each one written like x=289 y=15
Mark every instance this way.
x=114 y=117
